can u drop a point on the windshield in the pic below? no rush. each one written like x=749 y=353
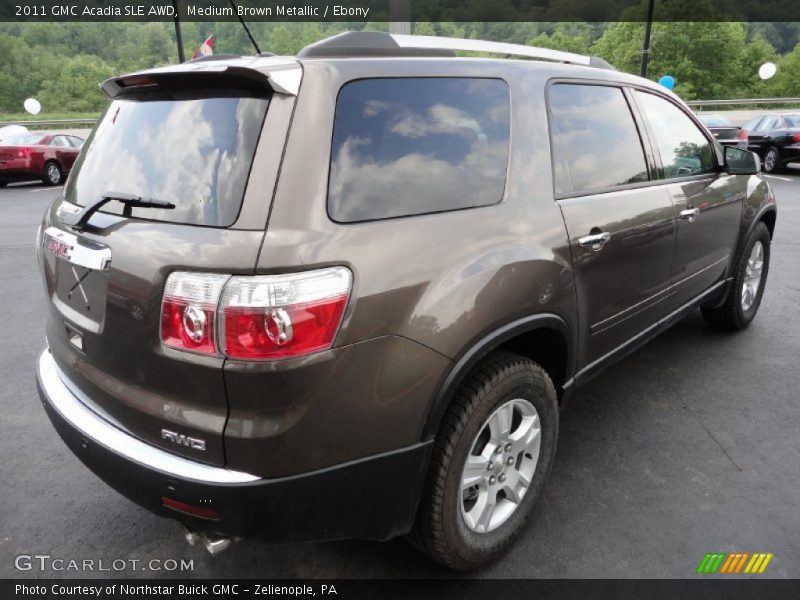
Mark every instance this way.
x=191 y=150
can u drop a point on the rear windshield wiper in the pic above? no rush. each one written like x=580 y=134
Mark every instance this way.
x=79 y=219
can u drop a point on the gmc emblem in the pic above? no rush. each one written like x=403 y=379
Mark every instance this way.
x=58 y=248
x=183 y=440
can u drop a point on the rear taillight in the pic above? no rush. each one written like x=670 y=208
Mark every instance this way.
x=261 y=317
x=23 y=153
x=796 y=138
x=189 y=311
x=278 y=316
x=743 y=136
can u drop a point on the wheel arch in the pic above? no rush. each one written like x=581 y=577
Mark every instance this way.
x=544 y=338
x=769 y=217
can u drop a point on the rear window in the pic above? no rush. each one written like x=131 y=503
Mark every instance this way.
x=23 y=139
x=715 y=121
x=792 y=120
x=193 y=149
x=412 y=146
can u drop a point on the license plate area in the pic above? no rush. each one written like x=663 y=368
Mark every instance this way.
x=80 y=277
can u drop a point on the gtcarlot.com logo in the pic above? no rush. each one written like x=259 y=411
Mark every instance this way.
x=46 y=562
x=734 y=563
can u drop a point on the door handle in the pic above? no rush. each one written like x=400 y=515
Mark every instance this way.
x=595 y=241
x=690 y=214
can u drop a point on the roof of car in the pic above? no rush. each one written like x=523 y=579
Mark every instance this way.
x=284 y=73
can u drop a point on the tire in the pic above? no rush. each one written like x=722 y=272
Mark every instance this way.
x=772 y=160
x=736 y=313
x=52 y=173
x=442 y=529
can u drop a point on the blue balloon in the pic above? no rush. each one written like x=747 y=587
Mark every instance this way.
x=668 y=81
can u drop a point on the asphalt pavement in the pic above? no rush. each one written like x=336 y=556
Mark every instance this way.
x=690 y=445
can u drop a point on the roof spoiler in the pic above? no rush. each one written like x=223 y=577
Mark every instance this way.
x=280 y=77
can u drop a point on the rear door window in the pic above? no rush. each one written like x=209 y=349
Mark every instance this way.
x=752 y=124
x=767 y=124
x=595 y=141
x=683 y=147
x=410 y=146
x=191 y=148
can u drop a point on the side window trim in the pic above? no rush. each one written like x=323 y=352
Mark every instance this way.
x=652 y=156
x=660 y=179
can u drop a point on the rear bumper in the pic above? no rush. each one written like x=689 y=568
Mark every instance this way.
x=373 y=498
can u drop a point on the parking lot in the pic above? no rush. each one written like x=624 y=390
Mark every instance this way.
x=690 y=445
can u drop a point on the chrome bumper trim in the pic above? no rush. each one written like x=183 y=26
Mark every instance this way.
x=119 y=442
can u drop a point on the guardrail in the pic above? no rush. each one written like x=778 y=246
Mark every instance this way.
x=744 y=102
x=52 y=123
x=694 y=103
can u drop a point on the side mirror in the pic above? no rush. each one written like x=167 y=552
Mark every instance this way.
x=741 y=162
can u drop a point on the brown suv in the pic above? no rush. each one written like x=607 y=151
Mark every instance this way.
x=344 y=294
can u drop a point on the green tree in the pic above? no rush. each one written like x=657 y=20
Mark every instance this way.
x=569 y=37
x=786 y=82
x=755 y=54
x=704 y=57
x=23 y=70
x=77 y=86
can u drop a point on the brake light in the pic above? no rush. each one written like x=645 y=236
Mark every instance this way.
x=743 y=135
x=24 y=152
x=796 y=138
x=189 y=309
x=280 y=316
x=256 y=317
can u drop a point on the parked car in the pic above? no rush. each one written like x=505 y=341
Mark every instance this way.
x=335 y=296
x=775 y=138
x=30 y=156
x=724 y=131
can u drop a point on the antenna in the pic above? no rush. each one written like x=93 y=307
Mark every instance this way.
x=246 y=28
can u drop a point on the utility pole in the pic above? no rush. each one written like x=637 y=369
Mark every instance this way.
x=178 y=37
x=647 y=29
x=400 y=17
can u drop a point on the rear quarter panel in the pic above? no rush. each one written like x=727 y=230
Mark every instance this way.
x=436 y=284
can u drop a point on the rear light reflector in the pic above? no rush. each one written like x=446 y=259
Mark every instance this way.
x=188 y=509
x=281 y=316
x=189 y=310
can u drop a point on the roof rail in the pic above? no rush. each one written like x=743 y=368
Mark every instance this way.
x=376 y=43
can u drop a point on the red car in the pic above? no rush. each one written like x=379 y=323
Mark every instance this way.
x=45 y=156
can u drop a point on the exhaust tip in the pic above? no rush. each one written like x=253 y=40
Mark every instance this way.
x=191 y=536
x=214 y=544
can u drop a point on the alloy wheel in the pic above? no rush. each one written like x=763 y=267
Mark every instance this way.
x=53 y=174
x=752 y=276
x=770 y=161
x=500 y=467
